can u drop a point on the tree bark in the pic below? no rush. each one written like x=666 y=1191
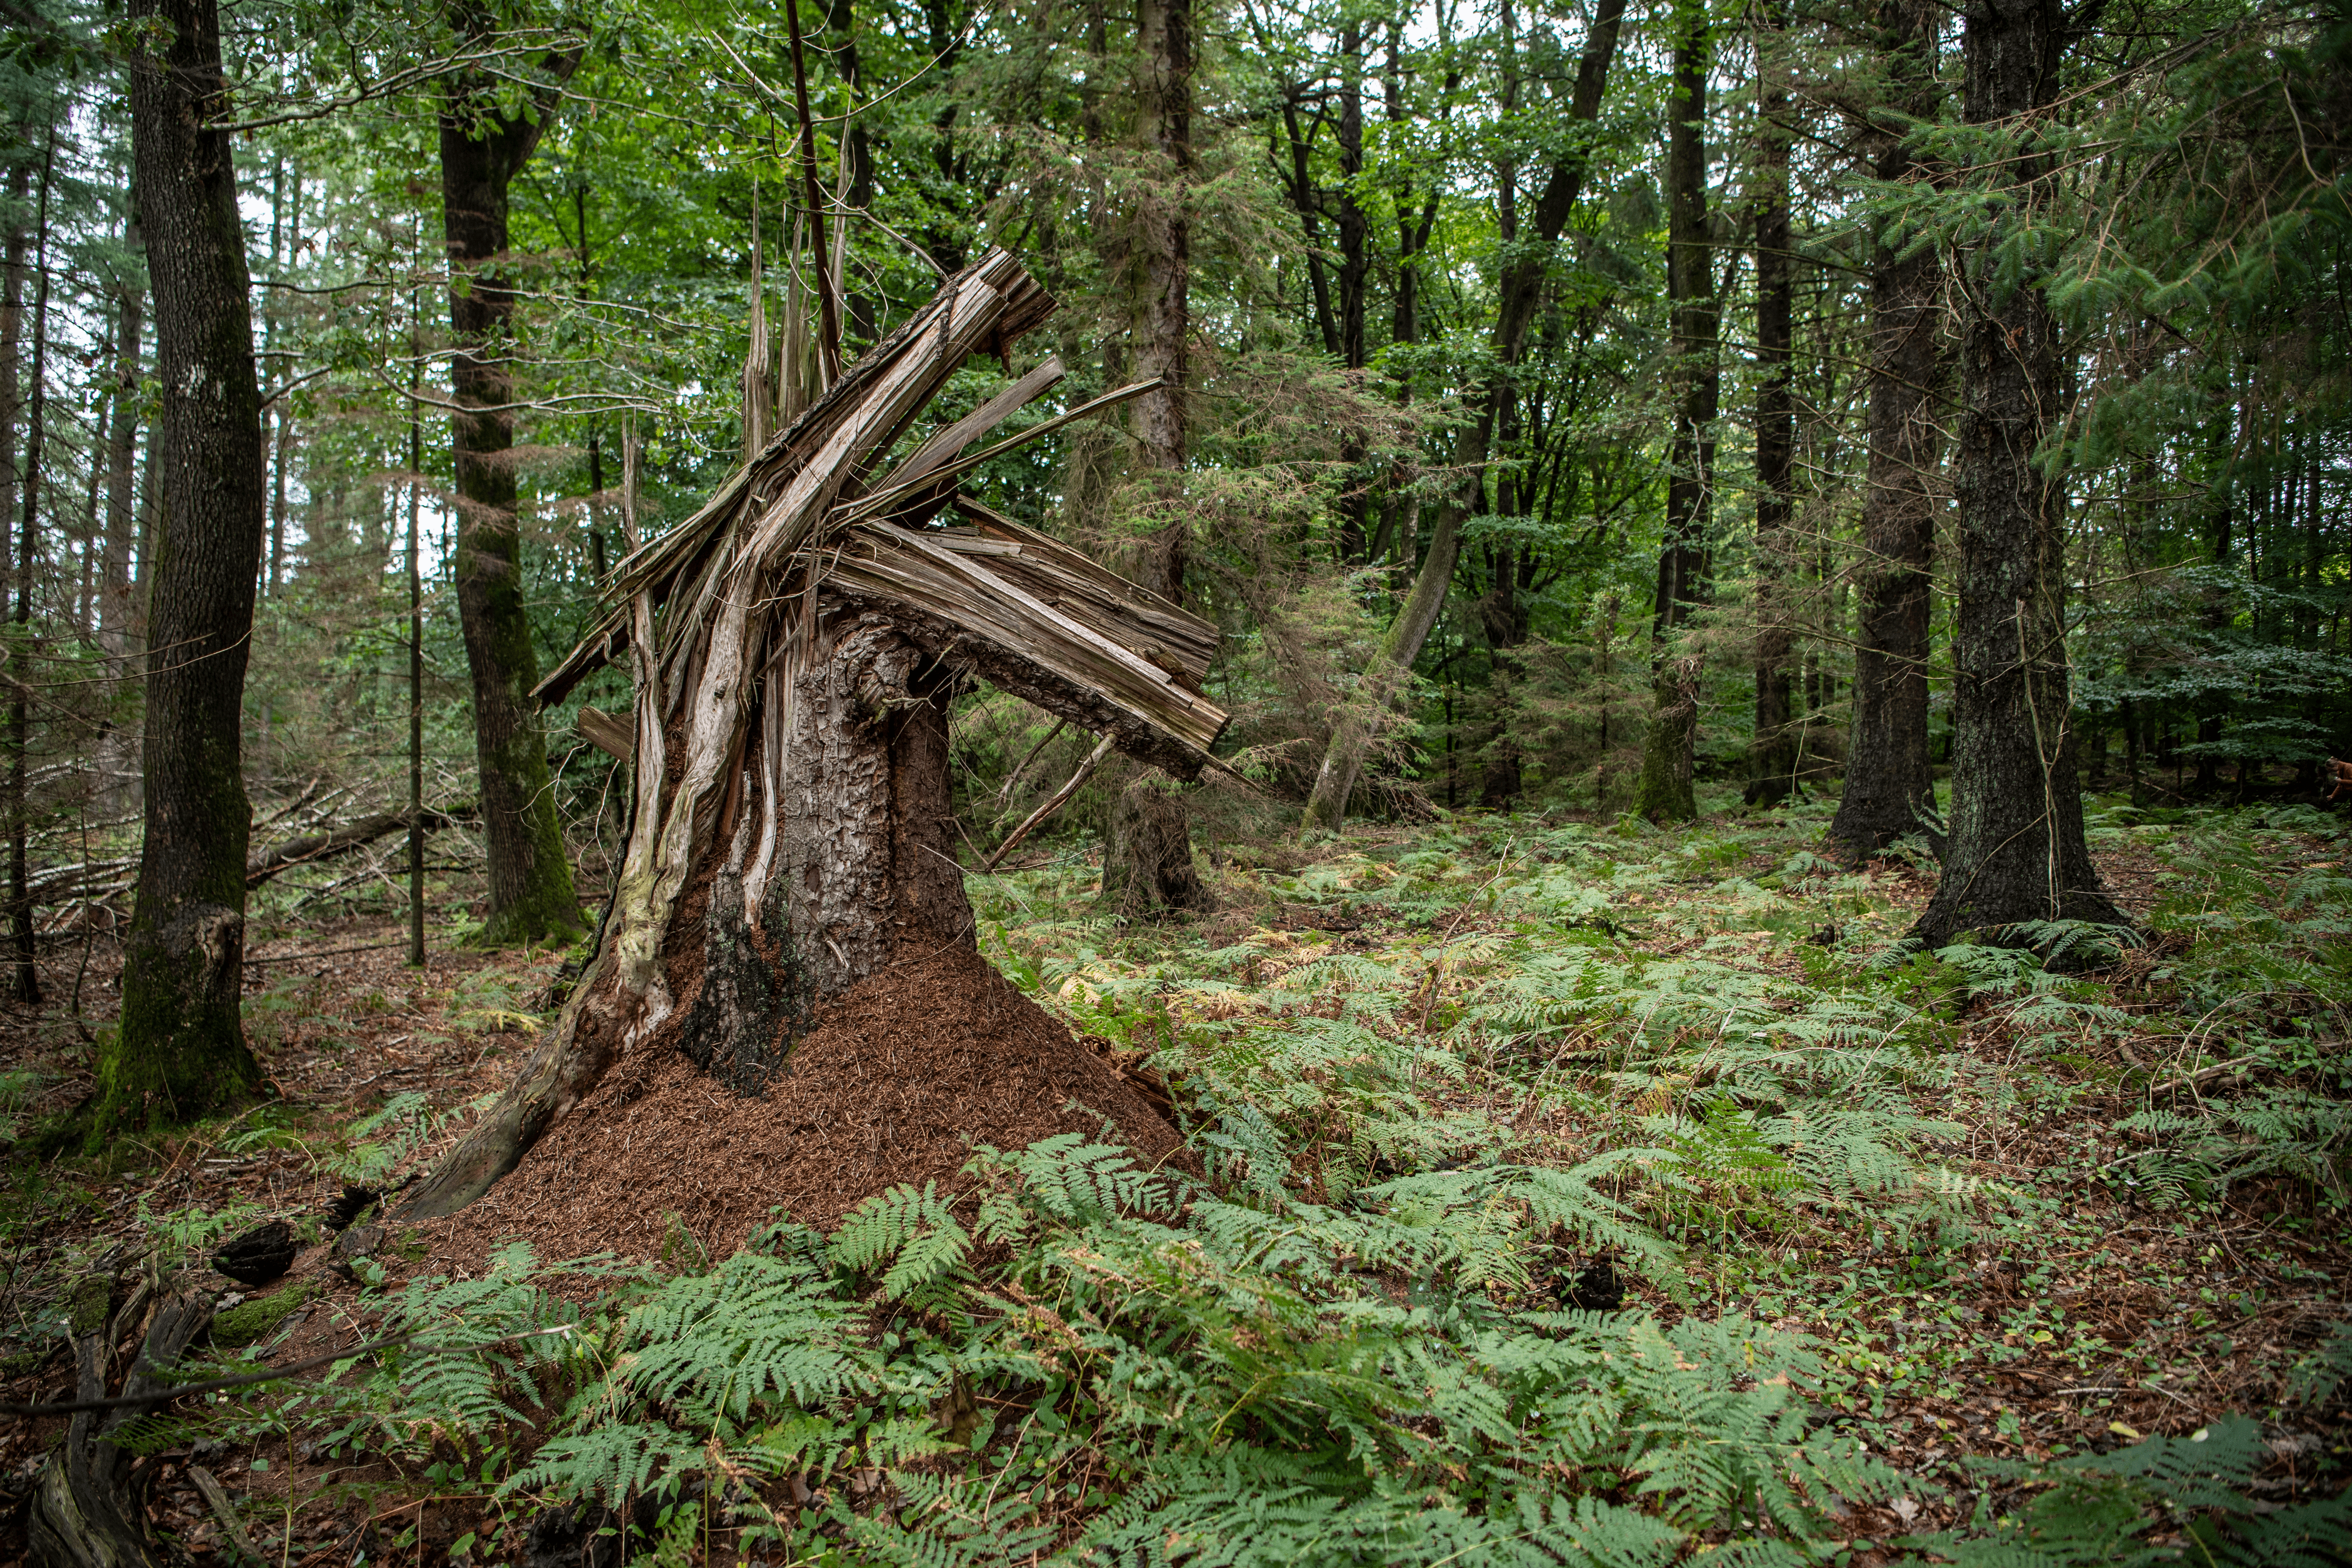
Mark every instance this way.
x=1148 y=860
x=1772 y=762
x=26 y=980
x=2017 y=853
x=122 y=456
x=11 y=341
x=1890 y=787
x=180 y=1050
x=1663 y=792
x=842 y=790
x=483 y=147
x=1521 y=291
x=1160 y=252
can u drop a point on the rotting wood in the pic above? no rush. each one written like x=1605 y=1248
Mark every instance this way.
x=88 y=1509
x=796 y=643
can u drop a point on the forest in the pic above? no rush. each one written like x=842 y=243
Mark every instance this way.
x=1430 y=783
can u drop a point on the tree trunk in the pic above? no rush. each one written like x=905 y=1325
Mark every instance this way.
x=12 y=340
x=530 y=892
x=1889 y=784
x=791 y=829
x=851 y=848
x=122 y=461
x=1521 y=291
x=180 y=1050
x=2017 y=853
x=1664 y=793
x=1772 y=762
x=1160 y=253
x=26 y=984
x=275 y=428
x=1148 y=859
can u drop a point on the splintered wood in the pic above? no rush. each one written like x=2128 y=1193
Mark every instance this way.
x=795 y=646
x=1019 y=608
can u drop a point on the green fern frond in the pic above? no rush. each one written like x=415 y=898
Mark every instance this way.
x=756 y=1326
x=617 y=1461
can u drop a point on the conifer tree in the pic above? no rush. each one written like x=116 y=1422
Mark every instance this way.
x=2017 y=855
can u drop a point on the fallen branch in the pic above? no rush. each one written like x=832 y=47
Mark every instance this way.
x=149 y=1398
x=1053 y=803
x=337 y=841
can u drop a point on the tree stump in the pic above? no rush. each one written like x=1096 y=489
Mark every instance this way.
x=796 y=645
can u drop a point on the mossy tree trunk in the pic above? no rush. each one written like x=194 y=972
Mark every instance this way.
x=1889 y=784
x=1664 y=792
x=483 y=147
x=180 y=1049
x=2017 y=853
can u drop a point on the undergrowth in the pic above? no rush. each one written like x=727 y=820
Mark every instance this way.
x=1446 y=1090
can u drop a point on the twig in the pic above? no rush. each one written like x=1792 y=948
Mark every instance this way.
x=1053 y=803
x=224 y=1511
x=275 y=1374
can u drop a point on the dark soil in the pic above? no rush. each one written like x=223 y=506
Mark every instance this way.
x=896 y=1082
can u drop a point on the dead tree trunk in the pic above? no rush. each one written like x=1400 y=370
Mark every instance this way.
x=796 y=645
x=87 y=1511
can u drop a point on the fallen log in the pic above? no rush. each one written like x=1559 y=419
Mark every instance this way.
x=316 y=846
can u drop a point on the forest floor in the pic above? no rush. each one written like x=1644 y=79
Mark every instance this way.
x=1562 y=1190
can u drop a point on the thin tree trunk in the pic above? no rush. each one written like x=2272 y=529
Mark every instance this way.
x=12 y=342
x=273 y=417
x=180 y=1050
x=415 y=643
x=1773 y=761
x=595 y=441
x=1664 y=792
x=1522 y=288
x=2017 y=853
x=482 y=149
x=26 y=984
x=1355 y=277
x=1890 y=787
x=1161 y=255
x=1307 y=199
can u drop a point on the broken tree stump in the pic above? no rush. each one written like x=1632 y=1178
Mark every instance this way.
x=797 y=644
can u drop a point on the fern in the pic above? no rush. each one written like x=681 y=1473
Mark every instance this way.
x=2099 y=1509
x=914 y=1232
x=754 y=1328
x=618 y=1461
x=959 y=1523
x=1072 y=1181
